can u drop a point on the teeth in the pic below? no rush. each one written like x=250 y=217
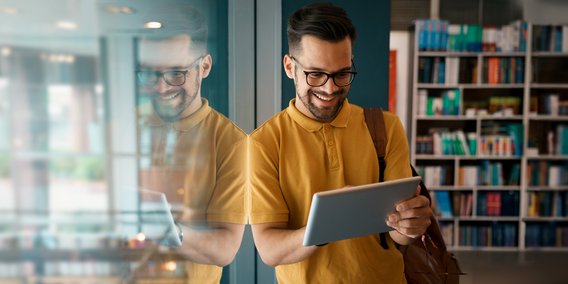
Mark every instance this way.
x=163 y=97
x=322 y=98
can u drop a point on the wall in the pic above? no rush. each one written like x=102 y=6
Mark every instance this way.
x=545 y=11
x=400 y=41
x=372 y=21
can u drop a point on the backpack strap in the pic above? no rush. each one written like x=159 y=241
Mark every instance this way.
x=376 y=124
x=436 y=250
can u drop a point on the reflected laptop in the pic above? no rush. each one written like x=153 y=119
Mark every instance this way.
x=355 y=211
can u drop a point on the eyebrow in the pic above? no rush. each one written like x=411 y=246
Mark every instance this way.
x=315 y=69
x=174 y=68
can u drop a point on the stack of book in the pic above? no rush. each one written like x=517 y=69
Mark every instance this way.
x=550 y=38
x=490 y=235
x=447 y=103
x=497 y=203
x=550 y=234
x=547 y=204
x=440 y=35
x=545 y=173
x=504 y=70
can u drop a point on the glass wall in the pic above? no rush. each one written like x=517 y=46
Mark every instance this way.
x=75 y=150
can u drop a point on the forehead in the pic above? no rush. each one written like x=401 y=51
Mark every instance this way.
x=327 y=55
x=170 y=52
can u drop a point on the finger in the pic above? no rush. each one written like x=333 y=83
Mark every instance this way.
x=392 y=220
x=414 y=223
x=395 y=219
x=417 y=190
x=413 y=228
x=422 y=212
x=415 y=202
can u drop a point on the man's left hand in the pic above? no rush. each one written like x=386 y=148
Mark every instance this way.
x=412 y=216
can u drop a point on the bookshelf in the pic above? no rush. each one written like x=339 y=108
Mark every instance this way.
x=489 y=132
x=100 y=265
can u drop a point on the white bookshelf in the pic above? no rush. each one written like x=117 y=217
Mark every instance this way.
x=531 y=122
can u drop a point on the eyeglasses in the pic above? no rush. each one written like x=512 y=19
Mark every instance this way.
x=171 y=77
x=319 y=78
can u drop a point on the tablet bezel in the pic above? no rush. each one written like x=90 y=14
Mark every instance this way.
x=355 y=211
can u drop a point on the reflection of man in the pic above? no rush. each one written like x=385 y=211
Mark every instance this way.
x=321 y=142
x=196 y=155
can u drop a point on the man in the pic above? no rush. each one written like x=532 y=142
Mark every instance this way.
x=321 y=142
x=191 y=152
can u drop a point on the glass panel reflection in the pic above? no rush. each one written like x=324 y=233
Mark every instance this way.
x=81 y=136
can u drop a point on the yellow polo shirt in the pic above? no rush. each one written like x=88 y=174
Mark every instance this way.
x=292 y=157
x=199 y=162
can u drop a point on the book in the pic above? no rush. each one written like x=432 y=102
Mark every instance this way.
x=515 y=175
x=444 y=203
x=510 y=203
x=454 y=37
x=494 y=204
x=421 y=30
x=554 y=173
x=463 y=142
x=562 y=139
x=422 y=101
x=557 y=210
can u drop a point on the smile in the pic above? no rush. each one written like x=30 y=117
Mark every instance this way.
x=167 y=97
x=323 y=98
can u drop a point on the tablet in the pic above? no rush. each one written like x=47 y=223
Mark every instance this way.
x=157 y=222
x=356 y=211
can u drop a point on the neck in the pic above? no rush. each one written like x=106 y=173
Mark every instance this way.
x=192 y=108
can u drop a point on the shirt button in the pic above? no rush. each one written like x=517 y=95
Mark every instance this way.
x=330 y=143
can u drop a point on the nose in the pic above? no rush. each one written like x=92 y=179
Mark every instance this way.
x=161 y=85
x=330 y=87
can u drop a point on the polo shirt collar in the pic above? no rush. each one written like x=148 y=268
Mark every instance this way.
x=313 y=125
x=184 y=124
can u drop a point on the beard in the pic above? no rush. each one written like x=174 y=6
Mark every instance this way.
x=170 y=105
x=325 y=113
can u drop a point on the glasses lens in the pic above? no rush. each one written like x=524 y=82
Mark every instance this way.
x=316 y=79
x=175 y=78
x=343 y=79
x=147 y=78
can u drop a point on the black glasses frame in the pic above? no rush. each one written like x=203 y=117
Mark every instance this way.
x=328 y=75
x=151 y=77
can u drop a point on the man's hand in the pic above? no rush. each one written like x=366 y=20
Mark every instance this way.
x=411 y=219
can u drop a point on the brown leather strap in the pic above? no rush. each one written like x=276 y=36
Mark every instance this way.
x=376 y=124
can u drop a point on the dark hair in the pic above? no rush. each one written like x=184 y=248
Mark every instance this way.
x=184 y=19
x=322 y=20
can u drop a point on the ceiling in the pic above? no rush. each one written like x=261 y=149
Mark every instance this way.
x=32 y=23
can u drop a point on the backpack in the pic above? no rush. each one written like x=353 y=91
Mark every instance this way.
x=425 y=261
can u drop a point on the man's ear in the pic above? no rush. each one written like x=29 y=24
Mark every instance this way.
x=205 y=65
x=288 y=66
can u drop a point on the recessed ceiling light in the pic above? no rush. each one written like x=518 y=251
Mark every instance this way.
x=119 y=9
x=6 y=51
x=152 y=25
x=8 y=10
x=66 y=25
